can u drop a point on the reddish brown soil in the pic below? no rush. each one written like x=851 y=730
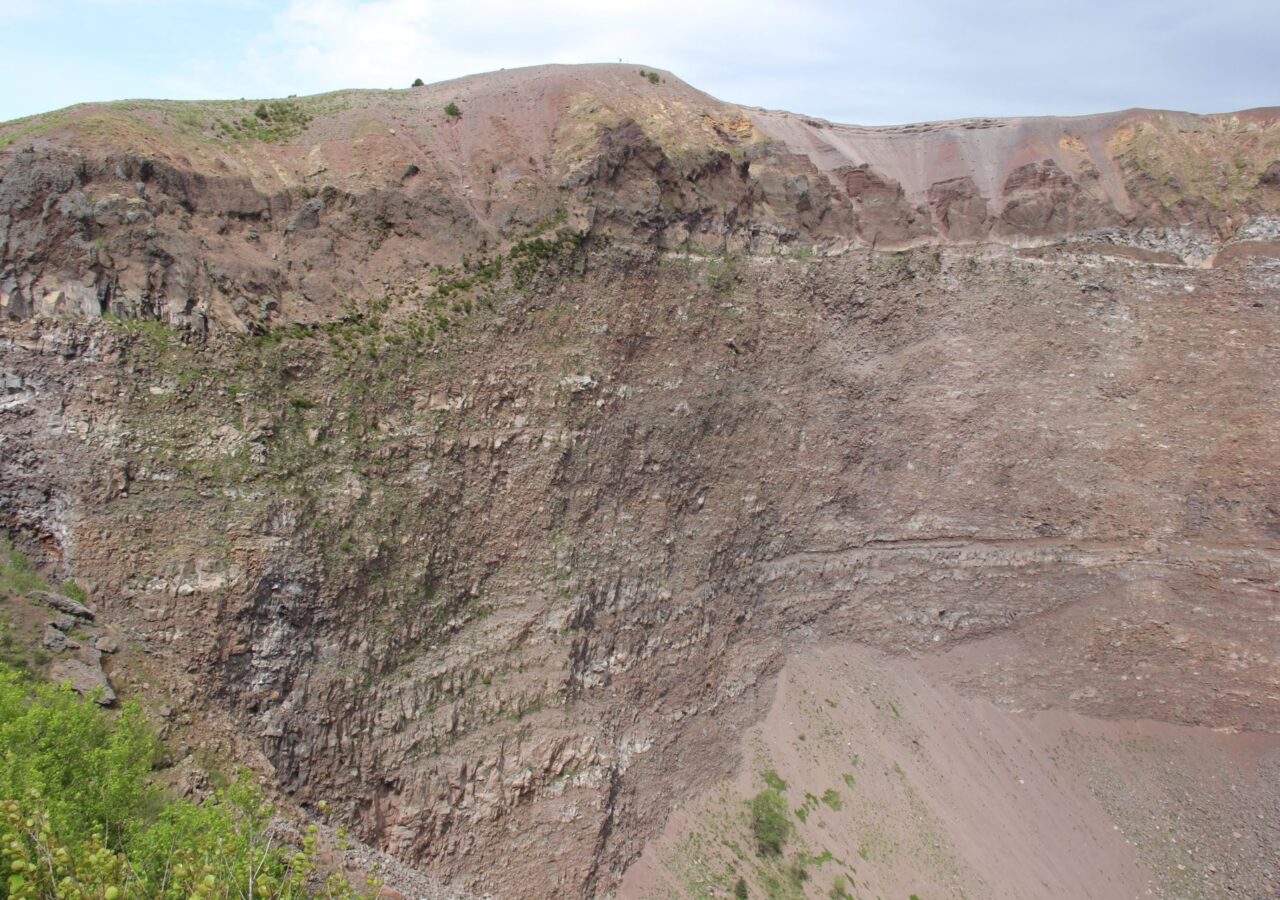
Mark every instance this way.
x=938 y=792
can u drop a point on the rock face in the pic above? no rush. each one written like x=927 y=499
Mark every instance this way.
x=483 y=473
x=1025 y=180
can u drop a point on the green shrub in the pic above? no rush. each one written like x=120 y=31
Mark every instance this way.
x=90 y=773
x=740 y=890
x=769 y=823
x=773 y=780
x=418 y=82
x=451 y=110
x=79 y=817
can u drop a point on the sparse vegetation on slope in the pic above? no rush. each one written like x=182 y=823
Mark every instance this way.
x=272 y=122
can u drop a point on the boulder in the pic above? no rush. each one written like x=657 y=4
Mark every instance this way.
x=63 y=622
x=307 y=218
x=56 y=641
x=84 y=679
x=63 y=604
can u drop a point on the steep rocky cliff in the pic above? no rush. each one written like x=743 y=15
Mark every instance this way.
x=477 y=474
x=232 y=215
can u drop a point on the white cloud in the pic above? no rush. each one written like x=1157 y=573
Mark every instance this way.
x=376 y=43
x=848 y=60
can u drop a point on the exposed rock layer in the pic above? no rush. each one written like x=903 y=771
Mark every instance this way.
x=233 y=216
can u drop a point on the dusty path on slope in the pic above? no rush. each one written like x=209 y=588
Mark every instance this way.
x=910 y=787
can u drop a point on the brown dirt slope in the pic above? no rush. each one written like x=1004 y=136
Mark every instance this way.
x=896 y=784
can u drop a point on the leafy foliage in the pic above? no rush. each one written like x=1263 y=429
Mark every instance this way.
x=769 y=823
x=80 y=819
x=451 y=110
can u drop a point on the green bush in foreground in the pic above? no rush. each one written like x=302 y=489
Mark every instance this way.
x=79 y=820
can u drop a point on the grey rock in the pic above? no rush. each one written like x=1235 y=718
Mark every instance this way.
x=56 y=641
x=84 y=679
x=64 y=622
x=63 y=604
x=106 y=643
x=307 y=218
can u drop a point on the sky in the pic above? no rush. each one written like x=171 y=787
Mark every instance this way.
x=883 y=62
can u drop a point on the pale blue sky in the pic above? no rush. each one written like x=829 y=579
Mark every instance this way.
x=874 y=63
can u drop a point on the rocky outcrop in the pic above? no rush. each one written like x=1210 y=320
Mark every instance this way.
x=506 y=597
x=1041 y=200
x=961 y=212
x=63 y=604
x=198 y=222
x=883 y=214
x=1025 y=181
